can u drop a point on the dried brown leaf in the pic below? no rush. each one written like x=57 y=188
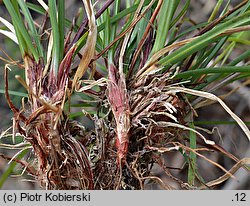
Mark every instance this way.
x=89 y=49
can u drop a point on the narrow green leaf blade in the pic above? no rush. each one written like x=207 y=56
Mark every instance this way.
x=165 y=16
x=61 y=25
x=203 y=40
x=32 y=27
x=21 y=31
x=192 y=159
x=56 y=35
x=11 y=167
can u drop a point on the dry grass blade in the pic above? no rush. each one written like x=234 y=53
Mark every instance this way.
x=43 y=4
x=89 y=49
x=149 y=66
x=49 y=55
x=235 y=89
x=223 y=178
x=236 y=30
x=25 y=164
x=214 y=98
x=8 y=25
x=9 y=34
x=171 y=124
x=204 y=157
x=92 y=83
x=159 y=180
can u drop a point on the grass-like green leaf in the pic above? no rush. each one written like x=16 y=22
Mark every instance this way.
x=192 y=158
x=56 y=36
x=215 y=10
x=213 y=70
x=113 y=31
x=106 y=31
x=11 y=167
x=15 y=93
x=125 y=12
x=32 y=27
x=207 y=56
x=240 y=58
x=203 y=41
x=25 y=41
x=36 y=8
x=61 y=26
x=166 y=14
x=42 y=11
x=180 y=14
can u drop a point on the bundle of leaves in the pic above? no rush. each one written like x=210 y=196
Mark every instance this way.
x=138 y=85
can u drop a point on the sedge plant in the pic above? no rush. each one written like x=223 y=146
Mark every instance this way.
x=140 y=75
